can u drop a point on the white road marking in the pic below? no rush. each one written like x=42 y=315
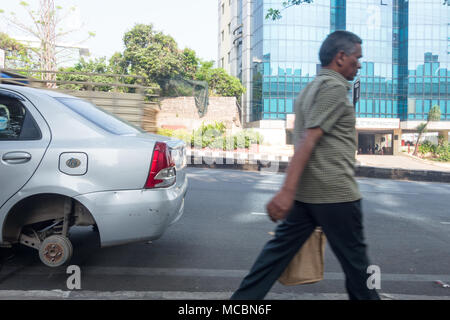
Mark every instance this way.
x=259 y=213
x=194 y=272
x=183 y=295
x=445 y=222
x=388 y=191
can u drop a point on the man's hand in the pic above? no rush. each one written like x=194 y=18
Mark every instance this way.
x=278 y=208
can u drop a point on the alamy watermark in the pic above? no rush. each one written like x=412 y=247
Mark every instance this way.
x=231 y=150
x=74 y=280
x=374 y=280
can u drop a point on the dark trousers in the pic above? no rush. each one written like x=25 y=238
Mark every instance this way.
x=342 y=225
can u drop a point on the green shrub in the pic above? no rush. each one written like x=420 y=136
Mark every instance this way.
x=254 y=137
x=206 y=135
x=219 y=143
x=214 y=136
x=245 y=138
x=165 y=132
x=443 y=152
x=425 y=147
x=440 y=152
x=178 y=134
x=196 y=140
x=182 y=135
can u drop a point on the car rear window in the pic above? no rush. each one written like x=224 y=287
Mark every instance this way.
x=99 y=117
x=16 y=122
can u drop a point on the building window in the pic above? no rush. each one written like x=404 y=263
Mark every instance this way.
x=229 y=28
x=222 y=64
x=223 y=8
x=229 y=57
x=223 y=35
x=289 y=105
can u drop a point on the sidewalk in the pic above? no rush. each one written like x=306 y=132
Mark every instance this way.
x=403 y=161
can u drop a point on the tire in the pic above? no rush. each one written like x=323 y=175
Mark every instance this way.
x=55 y=251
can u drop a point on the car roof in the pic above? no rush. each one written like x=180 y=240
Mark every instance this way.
x=23 y=89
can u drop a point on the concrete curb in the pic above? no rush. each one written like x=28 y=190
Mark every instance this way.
x=403 y=174
x=277 y=164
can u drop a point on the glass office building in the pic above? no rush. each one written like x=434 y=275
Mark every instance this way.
x=428 y=52
x=286 y=53
x=405 y=65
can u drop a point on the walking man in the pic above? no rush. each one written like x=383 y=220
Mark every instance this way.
x=320 y=188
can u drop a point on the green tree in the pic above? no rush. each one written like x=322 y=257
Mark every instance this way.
x=17 y=56
x=204 y=70
x=190 y=63
x=275 y=14
x=155 y=56
x=47 y=26
x=219 y=81
x=118 y=65
x=97 y=66
x=433 y=115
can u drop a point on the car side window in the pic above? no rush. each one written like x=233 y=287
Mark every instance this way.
x=16 y=123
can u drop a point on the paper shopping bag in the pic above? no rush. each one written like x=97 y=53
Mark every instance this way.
x=307 y=264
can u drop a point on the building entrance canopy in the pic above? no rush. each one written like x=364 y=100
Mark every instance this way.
x=377 y=124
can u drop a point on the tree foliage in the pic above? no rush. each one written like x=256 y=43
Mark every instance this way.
x=47 y=27
x=190 y=63
x=98 y=66
x=214 y=136
x=219 y=81
x=439 y=152
x=433 y=115
x=16 y=54
x=157 y=58
x=275 y=14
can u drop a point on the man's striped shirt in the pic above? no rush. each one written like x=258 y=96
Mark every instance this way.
x=329 y=175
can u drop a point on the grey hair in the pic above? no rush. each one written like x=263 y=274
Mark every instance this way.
x=335 y=42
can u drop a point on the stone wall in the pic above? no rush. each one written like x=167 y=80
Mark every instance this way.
x=181 y=113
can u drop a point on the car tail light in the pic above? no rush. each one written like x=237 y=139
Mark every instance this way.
x=162 y=169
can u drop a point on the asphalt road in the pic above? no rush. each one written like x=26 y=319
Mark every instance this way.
x=208 y=252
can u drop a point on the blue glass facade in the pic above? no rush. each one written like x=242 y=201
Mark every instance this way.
x=379 y=78
x=337 y=15
x=405 y=64
x=429 y=58
x=285 y=55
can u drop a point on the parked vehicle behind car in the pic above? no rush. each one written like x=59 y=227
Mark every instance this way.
x=65 y=162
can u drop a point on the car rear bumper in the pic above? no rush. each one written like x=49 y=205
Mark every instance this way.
x=135 y=215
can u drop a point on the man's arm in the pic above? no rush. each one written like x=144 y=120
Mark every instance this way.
x=280 y=205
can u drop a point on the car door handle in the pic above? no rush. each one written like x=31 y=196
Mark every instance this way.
x=16 y=157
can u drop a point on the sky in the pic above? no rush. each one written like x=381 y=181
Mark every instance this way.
x=192 y=23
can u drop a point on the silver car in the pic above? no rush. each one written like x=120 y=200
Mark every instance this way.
x=64 y=162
